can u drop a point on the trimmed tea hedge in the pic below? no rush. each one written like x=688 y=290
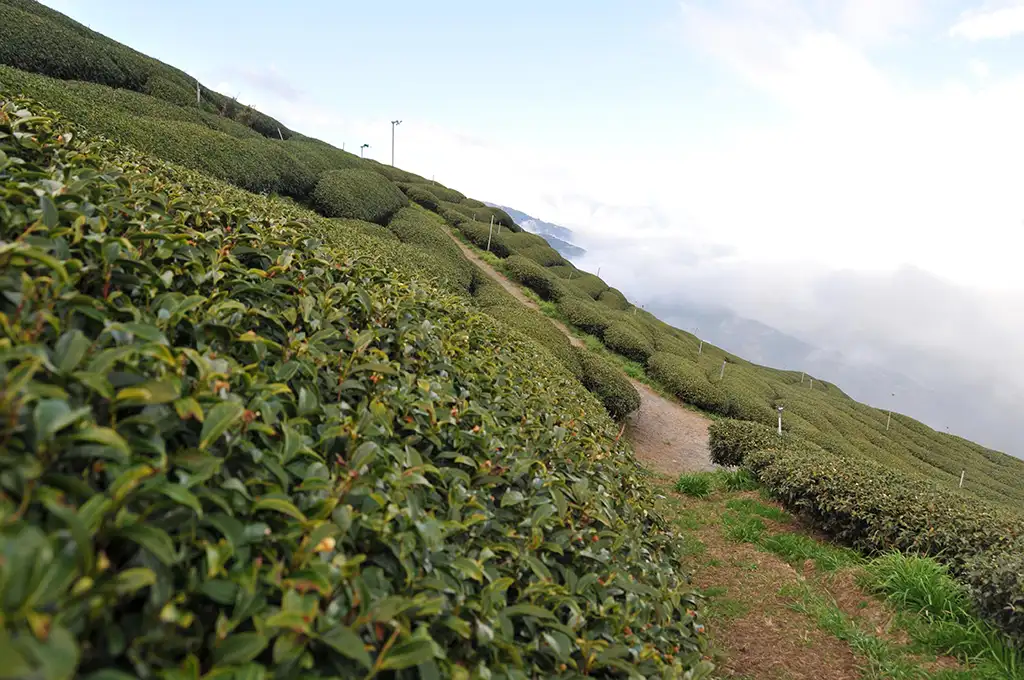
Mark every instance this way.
x=544 y=255
x=584 y=314
x=607 y=381
x=534 y=277
x=876 y=509
x=590 y=285
x=479 y=233
x=496 y=302
x=614 y=299
x=231 y=450
x=688 y=382
x=357 y=194
x=367 y=228
x=415 y=226
x=628 y=341
x=37 y=39
x=995 y=578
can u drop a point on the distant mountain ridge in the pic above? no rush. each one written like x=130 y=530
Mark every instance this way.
x=560 y=238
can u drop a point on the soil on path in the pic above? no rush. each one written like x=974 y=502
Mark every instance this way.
x=666 y=436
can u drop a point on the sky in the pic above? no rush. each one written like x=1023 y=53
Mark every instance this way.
x=848 y=171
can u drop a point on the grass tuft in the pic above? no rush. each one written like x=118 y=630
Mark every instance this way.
x=696 y=485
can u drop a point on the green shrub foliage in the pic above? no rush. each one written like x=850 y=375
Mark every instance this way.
x=38 y=39
x=479 y=234
x=233 y=450
x=613 y=299
x=876 y=509
x=731 y=440
x=996 y=581
x=590 y=285
x=544 y=255
x=416 y=226
x=603 y=378
x=357 y=194
x=688 y=382
x=628 y=341
x=534 y=277
x=585 y=315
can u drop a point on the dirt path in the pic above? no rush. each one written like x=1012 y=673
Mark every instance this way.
x=665 y=436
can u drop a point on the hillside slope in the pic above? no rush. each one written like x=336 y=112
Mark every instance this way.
x=355 y=199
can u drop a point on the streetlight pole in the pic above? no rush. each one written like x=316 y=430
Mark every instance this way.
x=394 y=123
x=364 y=146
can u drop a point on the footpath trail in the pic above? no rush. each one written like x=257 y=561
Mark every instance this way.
x=666 y=436
x=773 y=611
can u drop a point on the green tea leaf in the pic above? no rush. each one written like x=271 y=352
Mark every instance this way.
x=240 y=648
x=279 y=505
x=344 y=640
x=218 y=420
x=155 y=540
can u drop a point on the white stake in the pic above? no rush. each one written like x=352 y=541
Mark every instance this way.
x=962 y=473
x=780 y=420
x=282 y=136
x=721 y=374
x=801 y=378
x=489 y=234
x=701 y=348
x=199 y=95
x=887 y=421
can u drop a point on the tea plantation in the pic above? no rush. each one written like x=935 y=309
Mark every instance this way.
x=233 y=446
x=260 y=415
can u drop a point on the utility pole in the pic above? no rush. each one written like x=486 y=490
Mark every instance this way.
x=394 y=124
x=489 y=230
x=364 y=146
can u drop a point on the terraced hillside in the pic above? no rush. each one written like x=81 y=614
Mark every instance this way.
x=242 y=290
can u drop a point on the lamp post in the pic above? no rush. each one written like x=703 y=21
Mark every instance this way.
x=364 y=146
x=394 y=124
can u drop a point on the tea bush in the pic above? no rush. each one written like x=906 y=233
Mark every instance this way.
x=479 y=234
x=415 y=226
x=500 y=305
x=37 y=39
x=995 y=578
x=534 y=277
x=231 y=449
x=472 y=203
x=525 y=239
x=583 y=314
x=589 y=284
x=367 y=228
x=613 y=299
x=357 y=194
x=604 y=379
x=688 y=382
x=418 y=194
x=544 y=255
x=729 y=441
x=627 y=341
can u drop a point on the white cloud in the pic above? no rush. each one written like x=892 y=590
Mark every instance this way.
x=979 y=68
x=1002 y=22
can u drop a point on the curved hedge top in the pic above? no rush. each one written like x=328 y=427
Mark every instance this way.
x=232 y=451
x=358 y=194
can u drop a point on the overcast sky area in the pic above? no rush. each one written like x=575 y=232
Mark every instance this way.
x=847 y=171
